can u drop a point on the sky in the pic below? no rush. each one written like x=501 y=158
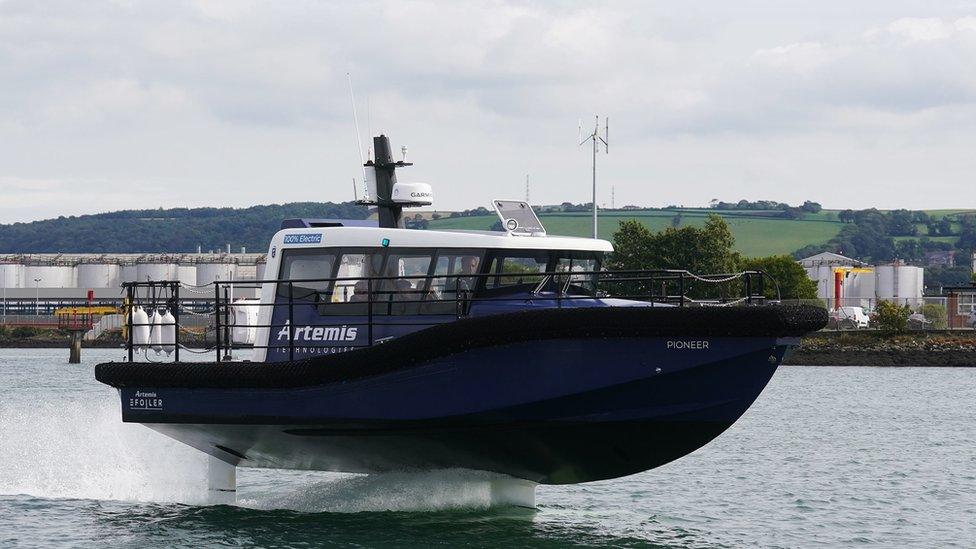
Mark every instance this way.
x=127 y=104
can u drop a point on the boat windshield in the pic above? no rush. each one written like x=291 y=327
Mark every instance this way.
x=428 y=281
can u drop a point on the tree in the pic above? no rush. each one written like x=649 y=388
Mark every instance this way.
x=936 y=314
x=889 y=317
x=789 y=275
x=631 y=247
x=811 y=207
x=901 y=223
x=846 y=216
x=910 y=251
x=944 y=226
x=921 y=217
x=702 y=250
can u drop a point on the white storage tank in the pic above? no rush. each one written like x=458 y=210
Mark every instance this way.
x=49 y=276
x=885 y=285
x=99 y=275
x=859 y=285
x=901 y=282
x=207 y=273
x=11 y=275
x=156 y=272
x=188 y=275
x=129 y=273
x=246 y=272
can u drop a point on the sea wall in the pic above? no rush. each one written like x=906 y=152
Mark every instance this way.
x=879 y=349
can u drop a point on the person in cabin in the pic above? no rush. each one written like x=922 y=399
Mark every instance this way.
x=469 y=266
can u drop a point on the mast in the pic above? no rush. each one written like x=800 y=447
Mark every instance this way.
x=383 y=191
x=391 y=213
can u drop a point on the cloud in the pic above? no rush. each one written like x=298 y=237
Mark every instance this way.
x=245 y=102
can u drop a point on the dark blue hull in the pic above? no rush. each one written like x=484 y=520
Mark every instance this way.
x=550 y=411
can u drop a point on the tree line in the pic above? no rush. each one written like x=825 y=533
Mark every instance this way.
x=879 y=236
x=166 y=230
x=709 y=249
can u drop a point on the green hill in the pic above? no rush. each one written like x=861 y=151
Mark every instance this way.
x=757 y=233
x=165 y=230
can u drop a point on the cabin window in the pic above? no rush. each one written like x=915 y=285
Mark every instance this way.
x=405 y=293
x=351 y=285
x=299 y=265
x=579 y=263
x=519 y=268
x=449 y=282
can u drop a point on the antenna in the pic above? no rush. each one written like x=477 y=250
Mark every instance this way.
x=596 y=139
x=526 y=188
x=369 y=130
x=359 y=138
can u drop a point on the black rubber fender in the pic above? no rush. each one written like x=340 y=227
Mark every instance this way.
x=471 y=333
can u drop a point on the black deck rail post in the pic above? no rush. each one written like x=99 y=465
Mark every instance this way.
x=369 y=311
x=291 y=321
x=681 y=289
x=176 y=321
x=228 y=345
x=749 y=288
x=130 y=335
x=457 y=297
x=217 y=319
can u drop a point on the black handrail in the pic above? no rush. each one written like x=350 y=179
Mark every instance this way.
x=593 y=285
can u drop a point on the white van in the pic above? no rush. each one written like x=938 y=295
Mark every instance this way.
x=849 y=318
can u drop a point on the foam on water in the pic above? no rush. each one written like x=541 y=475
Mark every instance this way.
x=74 y=445
x=402 y=491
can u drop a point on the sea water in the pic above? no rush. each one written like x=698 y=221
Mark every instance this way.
x=827 y=457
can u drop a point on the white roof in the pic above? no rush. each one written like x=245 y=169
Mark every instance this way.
x=413 y=238
x=829 y=258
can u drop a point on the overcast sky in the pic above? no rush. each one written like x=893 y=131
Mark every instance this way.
x=111 y=105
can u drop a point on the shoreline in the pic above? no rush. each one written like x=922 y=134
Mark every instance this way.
x=935 y=350
x=883 y=359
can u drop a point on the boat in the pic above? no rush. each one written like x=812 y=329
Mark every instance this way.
x=378 y=348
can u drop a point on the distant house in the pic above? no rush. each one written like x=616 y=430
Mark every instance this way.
x=960 y=302
x=941 y=258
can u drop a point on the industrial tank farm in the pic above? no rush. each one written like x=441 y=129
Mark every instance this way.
x=11 y=275
x=72 y=276
x=210 y=271
x=99 y=275
x=50 y=275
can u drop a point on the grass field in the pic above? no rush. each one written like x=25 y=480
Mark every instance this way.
x=756 y=234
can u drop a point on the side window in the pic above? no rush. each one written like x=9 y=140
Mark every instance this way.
x=353 y=267
x=307 y=264
x=455 y=271
x=451 y=282
x=518 y=270
x=405 y=292
x=574 y=262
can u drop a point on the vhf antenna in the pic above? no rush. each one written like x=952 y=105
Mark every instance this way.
x=596 y=139
x=359 y=142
